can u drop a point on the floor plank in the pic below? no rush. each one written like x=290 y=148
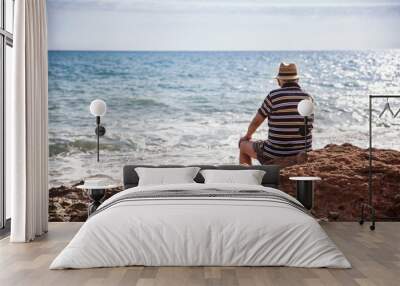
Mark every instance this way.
x=375 y=257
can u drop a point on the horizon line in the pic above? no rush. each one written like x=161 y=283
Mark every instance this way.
x=255 y=50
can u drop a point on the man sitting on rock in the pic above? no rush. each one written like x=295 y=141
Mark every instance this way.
x=286 y=125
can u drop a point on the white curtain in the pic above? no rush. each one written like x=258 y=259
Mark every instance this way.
x=28 y=149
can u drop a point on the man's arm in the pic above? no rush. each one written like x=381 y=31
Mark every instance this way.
x=258 y=119
x=262 y=113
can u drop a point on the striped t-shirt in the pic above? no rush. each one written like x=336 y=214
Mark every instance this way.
x=284 y=121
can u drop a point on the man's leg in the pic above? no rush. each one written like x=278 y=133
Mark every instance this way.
x=246 y=153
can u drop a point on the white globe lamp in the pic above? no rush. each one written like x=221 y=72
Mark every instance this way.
x=98 y=108
x=305 y=109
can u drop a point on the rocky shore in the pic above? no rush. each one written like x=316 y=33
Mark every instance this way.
x=344 y=185
x=71 y=203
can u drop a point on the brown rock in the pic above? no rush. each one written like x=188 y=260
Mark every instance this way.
x=70 y=203
x=344 y=185
x=333 y=215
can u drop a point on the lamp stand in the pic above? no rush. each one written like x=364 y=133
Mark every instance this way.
x=100 y=131
x=98 y=137
x=305 y=136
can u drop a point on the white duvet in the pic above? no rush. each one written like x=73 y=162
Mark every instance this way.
x=200 y=231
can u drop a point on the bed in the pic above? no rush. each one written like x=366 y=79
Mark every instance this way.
x=199 y=224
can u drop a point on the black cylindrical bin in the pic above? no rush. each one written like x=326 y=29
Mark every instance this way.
x=305 y=193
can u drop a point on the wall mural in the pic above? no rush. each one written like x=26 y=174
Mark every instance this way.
x=181 y=86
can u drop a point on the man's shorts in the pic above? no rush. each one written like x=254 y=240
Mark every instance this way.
x=262 y=156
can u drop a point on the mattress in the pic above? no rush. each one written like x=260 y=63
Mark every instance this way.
x=201 y=225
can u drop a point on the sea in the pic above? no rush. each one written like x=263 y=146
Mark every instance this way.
x=192 y=107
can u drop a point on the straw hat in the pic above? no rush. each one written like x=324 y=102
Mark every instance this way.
x=287 y=71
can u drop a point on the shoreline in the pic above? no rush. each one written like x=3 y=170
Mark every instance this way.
x=344 y=186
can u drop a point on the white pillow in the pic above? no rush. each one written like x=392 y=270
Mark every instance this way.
x=248 y=177
x=166 y=176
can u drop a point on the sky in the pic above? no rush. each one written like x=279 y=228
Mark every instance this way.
x=223 y=25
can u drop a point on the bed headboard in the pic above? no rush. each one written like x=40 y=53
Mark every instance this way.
x=271 y=177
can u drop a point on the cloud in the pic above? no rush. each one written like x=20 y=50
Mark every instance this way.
x=223 y=24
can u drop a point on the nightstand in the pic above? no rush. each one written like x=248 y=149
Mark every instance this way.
x=305 y=190
x=96 y=194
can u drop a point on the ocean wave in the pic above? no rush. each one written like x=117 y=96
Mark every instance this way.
x=144 y=103
x=64 y=147
x=110 y=73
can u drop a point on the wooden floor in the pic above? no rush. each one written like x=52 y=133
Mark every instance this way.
x=375 y=257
